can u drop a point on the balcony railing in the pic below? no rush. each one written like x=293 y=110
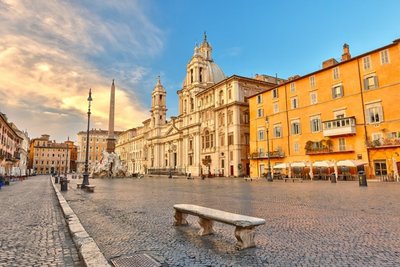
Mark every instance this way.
x=342 y=126
x=330 y=150
x=383 y=143
x=264 y=155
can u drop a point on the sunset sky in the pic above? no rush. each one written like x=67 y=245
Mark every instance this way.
x=52 y=52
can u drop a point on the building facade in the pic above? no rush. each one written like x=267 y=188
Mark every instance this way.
x=210 y=136
x=10 y=145
x=47 y=156
x=345 y=111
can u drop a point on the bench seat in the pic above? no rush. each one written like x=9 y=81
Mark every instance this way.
x=245 y=225
x=90 y=188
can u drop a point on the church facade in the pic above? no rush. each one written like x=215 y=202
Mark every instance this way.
x=210 y=136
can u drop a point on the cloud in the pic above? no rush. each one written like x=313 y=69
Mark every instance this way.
x=52 y=52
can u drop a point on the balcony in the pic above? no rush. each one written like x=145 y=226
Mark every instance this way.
x=264 y=155
x=337 y=127
x=383 y=143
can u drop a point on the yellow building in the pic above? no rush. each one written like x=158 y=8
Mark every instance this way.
x=47 y=156
x=345 y=111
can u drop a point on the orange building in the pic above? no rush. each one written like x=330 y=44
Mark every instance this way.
x=47 y=157
x=345 y=111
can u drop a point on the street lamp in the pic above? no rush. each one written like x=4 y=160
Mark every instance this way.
x=269 y=176
x=86 y=173
x=66 y=161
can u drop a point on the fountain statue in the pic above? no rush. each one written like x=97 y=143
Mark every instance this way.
x=110 y=165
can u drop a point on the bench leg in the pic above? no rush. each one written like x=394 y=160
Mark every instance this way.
x=245 y=237
x=206 y=227
x=180 y=218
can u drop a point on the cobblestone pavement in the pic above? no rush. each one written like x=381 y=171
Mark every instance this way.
x=33 y=230
x=308 y=224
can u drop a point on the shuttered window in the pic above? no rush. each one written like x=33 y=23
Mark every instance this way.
x=370 y=82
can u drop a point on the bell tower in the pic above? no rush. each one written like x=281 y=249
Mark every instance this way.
x=158 y=106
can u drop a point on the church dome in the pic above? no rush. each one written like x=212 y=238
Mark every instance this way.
x=215 y=73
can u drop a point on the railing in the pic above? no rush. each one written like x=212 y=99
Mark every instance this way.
x=264 y=155
x=382 y=143
x=330 y=150
x=342 y=126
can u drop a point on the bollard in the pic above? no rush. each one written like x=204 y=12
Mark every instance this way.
x=362 y=178
x=333 y=178
x=64 y=184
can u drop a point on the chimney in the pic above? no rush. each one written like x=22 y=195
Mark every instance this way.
x=346 y=52
x=329 y=62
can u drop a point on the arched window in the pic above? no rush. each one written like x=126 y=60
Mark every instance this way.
x=201 y=74
x=191 y=76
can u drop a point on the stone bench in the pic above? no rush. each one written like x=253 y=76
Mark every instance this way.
x=90 y=188
x=293 y=179
x=78 y=185
x=245 y=225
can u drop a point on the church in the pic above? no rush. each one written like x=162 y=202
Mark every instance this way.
x=210 y=136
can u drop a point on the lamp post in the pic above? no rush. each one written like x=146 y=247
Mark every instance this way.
x=269 y=176
x=85 y=181
x=66 y=161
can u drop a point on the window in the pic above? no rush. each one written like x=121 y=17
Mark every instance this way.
x=367 y=62
x=259 y=99
x=294 y=102
x=190 y=144
x=370 y=82
x=275 y=93
x=313 y=98
x=230 y=139
x=230 y=94
x=230 y=117
x=292 y=87
x=191 y=104
x=296 y=147
x=374 y=113
x=315 y=124
x=342 y=144
x=246 y=139
x=260 y=134
x=337 y=91
x=312 y=81
x=222 y=140
x=245 y=117
x=277 y=131
x=190 y=160
x=336 y=73
x=207 y=139
x=295 y=127
x=377 y=137
x=191 y=76
x=384 y=56
x=222 y=119
x=260 y=113
x=221 y=97
x=200 y=76
x=275 y=107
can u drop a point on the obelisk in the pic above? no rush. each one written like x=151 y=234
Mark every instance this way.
x=111 y=137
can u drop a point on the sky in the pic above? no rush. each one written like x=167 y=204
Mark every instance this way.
x=52 y=52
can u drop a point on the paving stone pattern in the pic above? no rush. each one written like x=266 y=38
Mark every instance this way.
x=307 y=224
x=33 y=230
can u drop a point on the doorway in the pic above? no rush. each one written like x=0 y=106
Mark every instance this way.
x=380 y=169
